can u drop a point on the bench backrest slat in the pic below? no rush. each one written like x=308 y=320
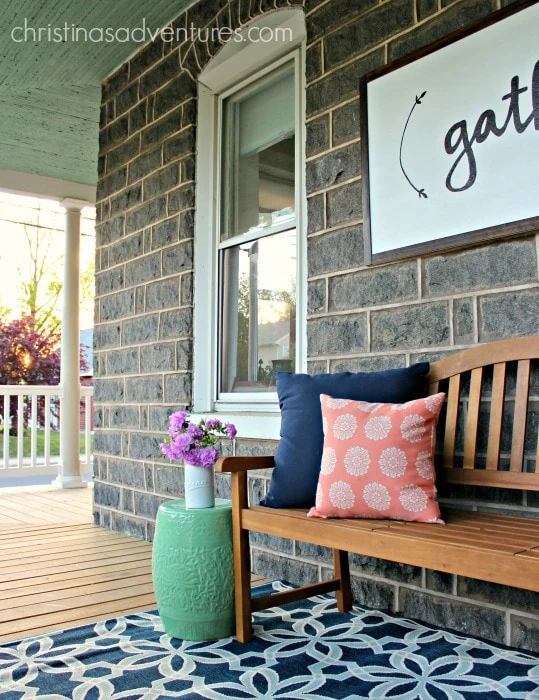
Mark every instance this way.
x=496 y=463
x=450 y=434
x=520 y=415
x=496 y=416
x=472 y=418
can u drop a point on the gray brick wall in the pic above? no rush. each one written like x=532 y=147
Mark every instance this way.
x=359 y=318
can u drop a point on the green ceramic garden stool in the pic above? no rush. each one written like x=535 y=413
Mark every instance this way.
x=193 y=570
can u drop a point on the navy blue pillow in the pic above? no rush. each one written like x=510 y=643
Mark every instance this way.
x=297 y=460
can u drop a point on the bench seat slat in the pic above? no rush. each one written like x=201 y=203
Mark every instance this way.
x=480 y=519
x=531 y=554
x=477 y=516
x=495 y=529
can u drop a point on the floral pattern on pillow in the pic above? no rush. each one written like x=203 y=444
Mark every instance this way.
x=378 y=460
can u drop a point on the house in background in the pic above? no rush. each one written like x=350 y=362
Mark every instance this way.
x=87 y=375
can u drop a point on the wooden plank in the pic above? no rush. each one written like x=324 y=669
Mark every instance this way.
x=496 y=415
x=362 y=523
x=142 y=604
x=520 y=416
x=62 y=549
x=58 y=544
x=479 y=516
x=83 y=560
x=294 y=594
x=15 y=629
x=530 y=554
x=483 y=539
x=341 y=568
x=71 y=581
x=15 y=504
x=105 y=552
x=494 y=529
x=22 y=606
x=472 y=418
x=450 y=436
x=239 y=464
x=73 y=571
x=28 y=534
x=42 y=503
x=481 y=477
x=242 y=569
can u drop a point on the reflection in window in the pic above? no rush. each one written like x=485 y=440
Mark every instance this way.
x=259 y=312
x=259 y=156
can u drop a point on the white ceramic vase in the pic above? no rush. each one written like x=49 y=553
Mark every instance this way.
x=199 y=486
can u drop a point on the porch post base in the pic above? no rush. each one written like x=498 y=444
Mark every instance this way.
x=69 y=482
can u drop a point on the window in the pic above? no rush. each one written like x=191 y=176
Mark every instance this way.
x=257 y=247
x=249 y=267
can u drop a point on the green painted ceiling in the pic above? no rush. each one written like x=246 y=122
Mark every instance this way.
x=50 y=92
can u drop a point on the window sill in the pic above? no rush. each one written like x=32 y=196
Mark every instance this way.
x=254 y=425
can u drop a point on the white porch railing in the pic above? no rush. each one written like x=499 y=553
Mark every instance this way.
x=37 y=407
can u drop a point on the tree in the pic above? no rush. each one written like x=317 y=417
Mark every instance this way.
x=29 y=355
x=41 y=292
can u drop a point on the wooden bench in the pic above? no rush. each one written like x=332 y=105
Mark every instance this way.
x=498 y=548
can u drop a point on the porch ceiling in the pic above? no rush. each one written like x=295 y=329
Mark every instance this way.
x=50 y=92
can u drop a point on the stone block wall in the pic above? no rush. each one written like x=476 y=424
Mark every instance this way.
x=359 y=318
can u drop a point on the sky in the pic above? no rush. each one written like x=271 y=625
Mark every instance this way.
x=47 y=216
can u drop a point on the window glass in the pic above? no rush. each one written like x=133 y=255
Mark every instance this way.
x=259 y=156
x=259 y=312
x=257 y=258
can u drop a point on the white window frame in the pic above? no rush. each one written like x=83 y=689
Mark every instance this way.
x=235 y=67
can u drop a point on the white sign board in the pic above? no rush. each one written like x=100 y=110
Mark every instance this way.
x=453 y=141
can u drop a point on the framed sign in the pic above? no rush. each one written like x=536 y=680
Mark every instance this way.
x=450 y=140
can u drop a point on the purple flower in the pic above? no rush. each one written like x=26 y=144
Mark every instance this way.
x=231 y=430
x=176 y=422
x=213 y=423
x=194 y=431
x=171 y=451
x=208 y=456
x=183 y=441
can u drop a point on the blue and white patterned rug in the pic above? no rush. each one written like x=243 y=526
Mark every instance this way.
x=302 y=650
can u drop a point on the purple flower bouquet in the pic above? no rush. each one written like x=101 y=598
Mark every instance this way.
x=194 y=442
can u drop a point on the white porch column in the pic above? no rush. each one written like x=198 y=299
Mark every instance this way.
x=69 y=467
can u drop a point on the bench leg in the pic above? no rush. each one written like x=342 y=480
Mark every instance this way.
x=342 y=572
x=242 y=561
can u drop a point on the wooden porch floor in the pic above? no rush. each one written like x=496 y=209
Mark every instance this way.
x=58 y=570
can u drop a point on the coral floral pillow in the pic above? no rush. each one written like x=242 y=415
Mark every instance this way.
x=378 y=460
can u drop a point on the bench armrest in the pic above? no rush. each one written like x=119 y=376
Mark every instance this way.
x=242 y=464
